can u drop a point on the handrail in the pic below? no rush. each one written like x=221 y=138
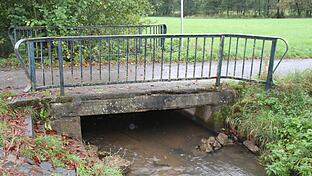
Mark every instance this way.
x=284 y=54
x=249 y=36
x=12 y=30
x=142 y=54
x=88 y=26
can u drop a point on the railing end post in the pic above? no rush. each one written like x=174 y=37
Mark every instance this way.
x=269 y=80
x=32 y=64
x=60 y=57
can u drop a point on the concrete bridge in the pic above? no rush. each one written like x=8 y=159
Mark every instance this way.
x=99 y=75
x=118 y=99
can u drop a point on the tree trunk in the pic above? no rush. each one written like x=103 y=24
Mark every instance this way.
x=278 y=13
x=268 y=7
x=259 y=7
x=298 y=9
x=245 y=6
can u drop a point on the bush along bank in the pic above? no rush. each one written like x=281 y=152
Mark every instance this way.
x=280 y=122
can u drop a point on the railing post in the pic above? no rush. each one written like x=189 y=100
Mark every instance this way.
x=140 y=41
x=32 y=66
x=60 y=58
x=164 y=29
x=219 y=69
x=269 y=80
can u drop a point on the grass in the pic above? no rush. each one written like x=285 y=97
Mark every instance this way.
x=3 y=129
x=281 y=122
x=52 y=148
x=296 y=31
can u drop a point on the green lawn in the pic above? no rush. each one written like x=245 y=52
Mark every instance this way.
x=298 y=32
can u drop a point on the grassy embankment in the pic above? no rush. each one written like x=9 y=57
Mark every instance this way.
x=296 y=31
x=281 y=122
x=59 y=150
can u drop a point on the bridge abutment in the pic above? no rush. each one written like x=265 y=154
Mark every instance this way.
x=68 y=125
x=207 y=115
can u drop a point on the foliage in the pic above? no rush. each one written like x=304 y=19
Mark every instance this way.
x=60 y=13
x=100 y=169
x=238 y=8
x=75 y=12
x=162 y=7
x=281 y=121
x=9 y=62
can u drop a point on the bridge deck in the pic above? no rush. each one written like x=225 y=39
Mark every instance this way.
x=143 y=88
x=15 y=79
x=122 y=90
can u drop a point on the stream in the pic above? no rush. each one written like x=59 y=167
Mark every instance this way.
x=164 y=143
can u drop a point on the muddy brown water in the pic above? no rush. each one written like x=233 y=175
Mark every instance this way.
x=164 y=143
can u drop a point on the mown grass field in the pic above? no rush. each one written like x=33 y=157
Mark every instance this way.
x=298 y=32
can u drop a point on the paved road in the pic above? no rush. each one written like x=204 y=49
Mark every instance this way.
x=16 y=79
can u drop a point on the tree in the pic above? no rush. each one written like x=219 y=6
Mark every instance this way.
x=61 y=13
x=268 y=8
x=211 y=7
x=162 y=7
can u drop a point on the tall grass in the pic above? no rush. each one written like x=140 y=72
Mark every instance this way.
x=281 y=121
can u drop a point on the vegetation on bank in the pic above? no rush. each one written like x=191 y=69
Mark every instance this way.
x=295 y=31
x=280 y=121
x=46 y=146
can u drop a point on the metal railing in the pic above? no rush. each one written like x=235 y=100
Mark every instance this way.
x=19 y=32
x=97 y=60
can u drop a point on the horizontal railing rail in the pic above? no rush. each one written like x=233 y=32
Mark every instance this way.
x=98 y=60
x=19 y=32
